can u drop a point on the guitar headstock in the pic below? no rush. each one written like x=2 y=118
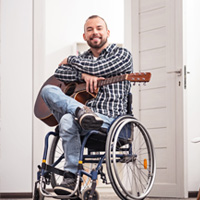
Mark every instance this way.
x=139 y=77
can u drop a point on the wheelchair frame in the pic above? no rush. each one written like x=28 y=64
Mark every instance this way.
x=111 y=157
x=127 y=151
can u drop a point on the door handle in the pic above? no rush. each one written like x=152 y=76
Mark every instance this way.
x=178 y=72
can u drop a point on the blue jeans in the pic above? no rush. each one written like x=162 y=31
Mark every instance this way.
x=63 y=108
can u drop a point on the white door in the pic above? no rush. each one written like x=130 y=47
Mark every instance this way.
x=154 y=28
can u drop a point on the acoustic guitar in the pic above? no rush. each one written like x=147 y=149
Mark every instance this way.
x=77 y=90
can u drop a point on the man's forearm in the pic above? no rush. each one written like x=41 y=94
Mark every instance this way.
x=66 y=73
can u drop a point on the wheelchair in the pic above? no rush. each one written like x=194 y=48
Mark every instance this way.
x=126 y=149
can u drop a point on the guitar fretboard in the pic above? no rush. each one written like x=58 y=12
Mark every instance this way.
x=110 y=80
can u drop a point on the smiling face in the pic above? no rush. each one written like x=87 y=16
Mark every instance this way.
x=96 y=33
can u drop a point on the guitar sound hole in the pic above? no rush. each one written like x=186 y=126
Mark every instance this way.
x=70 y=90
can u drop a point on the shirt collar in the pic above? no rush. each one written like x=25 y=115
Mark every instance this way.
x=110 y=48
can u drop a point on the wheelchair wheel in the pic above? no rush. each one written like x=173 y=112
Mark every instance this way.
x=130 y=159
x=56 y=150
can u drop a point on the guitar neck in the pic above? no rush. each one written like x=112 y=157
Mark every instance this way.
x=133 y=77
x=111 y=80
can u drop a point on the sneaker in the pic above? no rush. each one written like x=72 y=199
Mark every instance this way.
x=87 y=119
x=67 y=186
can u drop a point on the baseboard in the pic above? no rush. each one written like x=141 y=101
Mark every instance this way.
x=15 y=195
x=192 y=194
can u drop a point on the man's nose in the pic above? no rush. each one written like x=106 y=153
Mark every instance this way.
x=95 y=31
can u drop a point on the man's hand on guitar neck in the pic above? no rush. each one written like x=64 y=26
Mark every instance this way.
x=91 y=82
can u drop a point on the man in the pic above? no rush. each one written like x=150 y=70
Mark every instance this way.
x=99 y=62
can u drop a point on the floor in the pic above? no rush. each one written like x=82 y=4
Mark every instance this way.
x=107 y=196
x=113 y=197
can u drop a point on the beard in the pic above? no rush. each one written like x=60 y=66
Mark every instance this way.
x=97 y=46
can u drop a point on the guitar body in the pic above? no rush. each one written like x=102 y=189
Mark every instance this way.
x=73 y=89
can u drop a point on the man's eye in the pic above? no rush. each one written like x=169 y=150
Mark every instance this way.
x=99 y=28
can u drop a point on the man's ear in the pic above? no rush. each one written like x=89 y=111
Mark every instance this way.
x=84 y=36
x=108 y=33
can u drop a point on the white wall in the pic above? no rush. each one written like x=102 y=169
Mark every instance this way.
x=193 y=91
x=58 y=24
x=16 y=96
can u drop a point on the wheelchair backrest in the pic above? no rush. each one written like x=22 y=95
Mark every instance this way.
x=129 y=104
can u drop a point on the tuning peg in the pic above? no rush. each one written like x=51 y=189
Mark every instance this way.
x=133 y=83
x=144 y=84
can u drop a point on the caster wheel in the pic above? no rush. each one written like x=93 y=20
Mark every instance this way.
x=86 y=195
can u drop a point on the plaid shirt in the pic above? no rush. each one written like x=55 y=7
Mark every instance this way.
x=111 y=99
